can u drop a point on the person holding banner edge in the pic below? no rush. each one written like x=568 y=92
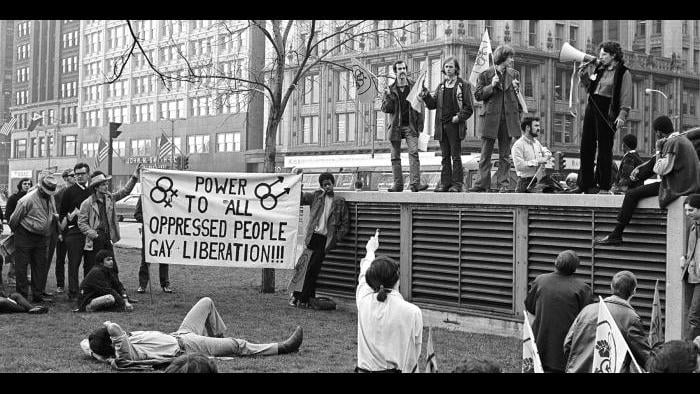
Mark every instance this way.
x=406 y=123
x=498 y=88
x=453 y=104
x=144 y=275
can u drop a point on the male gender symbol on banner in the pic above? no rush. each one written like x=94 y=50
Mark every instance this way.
x=268 y=200
x=164 y=191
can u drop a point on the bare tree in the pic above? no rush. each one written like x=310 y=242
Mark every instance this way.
x=296 y=48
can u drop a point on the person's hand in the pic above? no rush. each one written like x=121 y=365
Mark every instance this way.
x=516 y=85
x=137 y=171
x=455 y=119
x=496 y=80
x=682 y=262
x=297 y=170
x=73 y=213
x=128 y=306
x=542 y=160
x=387 y=91
x=373 y=243
x=634 y=173
x=619 y=123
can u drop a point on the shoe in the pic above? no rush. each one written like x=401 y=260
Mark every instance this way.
x=419 y=187
x=441 y=189
x=395 y=188
x=576 y=190
x=167 y=289
x=503 y=189
x=292 y=343
x=140 y=290
x=292 y=301
x=455 y=189
x=59 y=290
x=609 y=239
x=476 y=189
x=37 y=310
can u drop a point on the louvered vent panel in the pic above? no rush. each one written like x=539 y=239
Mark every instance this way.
x=341 y=266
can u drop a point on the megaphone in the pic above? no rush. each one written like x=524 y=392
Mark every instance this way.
x=570 y=54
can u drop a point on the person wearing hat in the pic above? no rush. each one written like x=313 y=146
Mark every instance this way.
x=676 y=162
x=630 y=160
x=690 y=265
x=97 y=219
x=56 y=243
x=31 y=222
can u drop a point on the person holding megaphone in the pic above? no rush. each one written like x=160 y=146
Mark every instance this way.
x=609 y=85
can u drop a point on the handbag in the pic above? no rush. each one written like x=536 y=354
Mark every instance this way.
x=7 y=246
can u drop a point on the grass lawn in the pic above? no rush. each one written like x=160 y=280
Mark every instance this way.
x=50 y=342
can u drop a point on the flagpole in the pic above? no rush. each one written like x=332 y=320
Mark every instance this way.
x=172 y=142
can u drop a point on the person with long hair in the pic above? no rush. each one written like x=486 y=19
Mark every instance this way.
x=389 y=328
x=101 y=289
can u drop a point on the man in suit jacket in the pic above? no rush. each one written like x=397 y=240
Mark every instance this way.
x=498 y=88
x=689 y=265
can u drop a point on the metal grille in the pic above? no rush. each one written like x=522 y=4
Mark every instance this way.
x=463 y=257
x=552 y=230
x=341 y=266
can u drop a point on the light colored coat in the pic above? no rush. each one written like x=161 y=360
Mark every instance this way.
x=89 y=217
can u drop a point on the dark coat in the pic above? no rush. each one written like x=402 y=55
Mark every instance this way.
x=579 y=341
x=493 y=98
x=390 y=105
x=13 y=199
x=555 y=300
x=629 y=162
x=100 y=281
x=463 y=95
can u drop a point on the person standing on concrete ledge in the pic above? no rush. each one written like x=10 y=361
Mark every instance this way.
x=406 y=123
x=555 y=299
x=676 y=162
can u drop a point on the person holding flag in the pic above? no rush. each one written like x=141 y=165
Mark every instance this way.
x=529 y=156
x=453 y=104
x=498 y=88
x=580 y=341
x=406 y=123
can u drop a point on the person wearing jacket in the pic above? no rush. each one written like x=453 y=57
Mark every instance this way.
x=143 y=269
x=690 y=266
x=498 y=88
x=580 y=340
x=100 y=289
x=452 y=103
x=528 y=153
x=630 y=160
x=97 y=219
x=60 y=246
x=31 y=223
x=23 y=186
x=329 y=221
x=406 y=123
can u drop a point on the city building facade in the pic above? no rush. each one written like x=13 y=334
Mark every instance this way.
x=6 y=60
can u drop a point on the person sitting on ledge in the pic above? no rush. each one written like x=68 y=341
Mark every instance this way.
x=100 y=289
x=202 y=331
x=676 y=162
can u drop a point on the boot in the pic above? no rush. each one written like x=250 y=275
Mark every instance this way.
x=292 y=343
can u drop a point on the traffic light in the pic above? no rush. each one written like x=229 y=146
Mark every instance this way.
x=185 y=162
x=114 y=129
x=559 y=162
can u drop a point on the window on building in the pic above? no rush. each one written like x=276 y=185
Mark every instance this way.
x=563 y=128
x=573 y=36
x=228 y=142
x=562 y=84
x=36 y=147
x=379 y=126
x=472 y=29
x=488 y=25
x=517 y=33
x=20 y=148
x=141 y=147
x=696 y=61
x=527 y=78
x=658 y=26
x=310 y=130
x=614 y=30
x=346 y=86
x=533 y=25
x=558 y=35
x=311 y=89
x=51 y=119
x=640 y=28
x=684 y=27
x=69 y=145
x=345 y=124
x=198 y=143
x=143 y=112
x=597 y=32
x=89 y=149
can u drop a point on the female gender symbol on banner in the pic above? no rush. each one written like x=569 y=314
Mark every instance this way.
x=268 y=200
x=163 y=191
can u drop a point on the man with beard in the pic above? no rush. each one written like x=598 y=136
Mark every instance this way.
x=528 y=153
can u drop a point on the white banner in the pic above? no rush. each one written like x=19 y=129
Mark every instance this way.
x=531 y=357
x=481 y=62
x=220 y=218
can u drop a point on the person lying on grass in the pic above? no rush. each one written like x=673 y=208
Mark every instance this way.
x=202 y=331
x=15 y=303
x=101 y=289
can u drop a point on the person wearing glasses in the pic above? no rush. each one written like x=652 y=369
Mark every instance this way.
x=59 y=244
x=73 y=239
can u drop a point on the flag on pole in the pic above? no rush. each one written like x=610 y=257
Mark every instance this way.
x=481 y=62
x=413 y=96
x=656 y=331
x=102 y=151
x=430 y=362
x=610 y=350
x=8 y=126
x=365 y=82
x=35 y=121
x=538 y=176
x=166 y=147
x=531 y=357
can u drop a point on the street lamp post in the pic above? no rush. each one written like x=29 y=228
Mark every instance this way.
x=651 y=106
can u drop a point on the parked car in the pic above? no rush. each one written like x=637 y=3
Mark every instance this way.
x=126 y=207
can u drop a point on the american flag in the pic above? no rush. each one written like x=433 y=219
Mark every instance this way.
x=102 y=151
x=166 y=147
x=8 y=126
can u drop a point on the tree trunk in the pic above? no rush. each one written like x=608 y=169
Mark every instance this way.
x=268 y=274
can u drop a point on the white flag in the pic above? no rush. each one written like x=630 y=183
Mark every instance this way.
x=482 y=58
x=365 y=82
x=413 y=98
x=531 y=357
x=610 y=348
